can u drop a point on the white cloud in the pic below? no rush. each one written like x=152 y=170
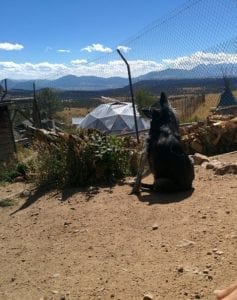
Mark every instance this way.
x=81 y=67
x=10 y=46
x=97 y=48
x=43 y=70
x=46 y=70
x=78 y=61
x=124 y=49
x=64 y=50
x=197 y=58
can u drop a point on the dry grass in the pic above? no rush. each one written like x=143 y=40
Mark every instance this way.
x=68 y=113
x=203 y=111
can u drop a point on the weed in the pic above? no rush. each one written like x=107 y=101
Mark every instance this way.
x=7 y=202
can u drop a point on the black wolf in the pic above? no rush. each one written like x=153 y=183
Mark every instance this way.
x=172 y=168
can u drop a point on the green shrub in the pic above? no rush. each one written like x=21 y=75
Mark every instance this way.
x=8 y=172
x=85 y=159
x=7 y=202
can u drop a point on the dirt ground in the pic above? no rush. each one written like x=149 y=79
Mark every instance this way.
x=107 y=244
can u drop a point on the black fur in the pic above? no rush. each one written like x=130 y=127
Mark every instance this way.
x=172 y=168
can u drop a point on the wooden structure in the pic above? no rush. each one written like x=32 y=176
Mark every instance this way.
x=7 y=144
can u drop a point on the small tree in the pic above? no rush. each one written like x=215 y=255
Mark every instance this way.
x=144 y=99
x=48 y=103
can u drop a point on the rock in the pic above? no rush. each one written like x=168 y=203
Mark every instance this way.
x=197 y=146
x=226 y=169
x=214 y=164
x=25 y=193
x=67 y=224
x=199 y=158
x=148 y=296
x=155 y=226
x=180 y=269
x=19 y=179
x=185 y=243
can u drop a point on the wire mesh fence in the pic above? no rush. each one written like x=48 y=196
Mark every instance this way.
x=187 y=54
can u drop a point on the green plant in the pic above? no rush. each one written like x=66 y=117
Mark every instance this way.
x=8 y=172
x=89 y=157
x=144 y=99
x=7 y=202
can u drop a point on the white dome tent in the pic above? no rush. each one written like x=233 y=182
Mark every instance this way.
x=116 y=117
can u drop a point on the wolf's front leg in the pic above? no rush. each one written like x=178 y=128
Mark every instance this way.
x=141 y=167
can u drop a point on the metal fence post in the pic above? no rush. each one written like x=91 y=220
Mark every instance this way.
x=131 y=92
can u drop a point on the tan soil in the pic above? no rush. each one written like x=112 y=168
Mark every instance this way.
x=119 y=246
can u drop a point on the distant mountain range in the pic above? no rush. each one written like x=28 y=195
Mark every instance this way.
x=93 y=83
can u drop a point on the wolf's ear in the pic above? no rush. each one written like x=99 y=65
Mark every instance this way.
x=163 y=99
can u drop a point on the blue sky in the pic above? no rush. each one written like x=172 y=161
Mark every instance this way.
x=51 y=38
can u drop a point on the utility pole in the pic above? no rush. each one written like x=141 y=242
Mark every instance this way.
x=131 y=92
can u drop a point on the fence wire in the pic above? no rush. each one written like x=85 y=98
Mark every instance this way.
x=186 y=53
x=195 y=42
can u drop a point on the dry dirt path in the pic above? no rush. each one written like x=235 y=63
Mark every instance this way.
x=119 y=246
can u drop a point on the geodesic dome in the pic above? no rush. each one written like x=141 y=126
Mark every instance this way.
x=116 y=117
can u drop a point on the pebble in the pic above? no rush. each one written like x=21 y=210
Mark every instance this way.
x=199 y=158
x=185 y=243
x=148 y=296
x=67 y=223
x=180 y=269
x=155 y=226
x=25 y=193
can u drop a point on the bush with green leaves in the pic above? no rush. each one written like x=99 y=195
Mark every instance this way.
x=87 y=158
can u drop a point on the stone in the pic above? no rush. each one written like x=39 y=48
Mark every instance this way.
x=196 y=146
x=185 y=243
x=19 y=179
x=25 y=193
x=226 y=169
x=54 y=292
x=180 y=269
x=67 y=224
x=148 y=296
x=155 y=226
x=199 y=158
x=213 y=164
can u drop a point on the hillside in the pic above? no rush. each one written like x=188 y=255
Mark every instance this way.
x=171 y=87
